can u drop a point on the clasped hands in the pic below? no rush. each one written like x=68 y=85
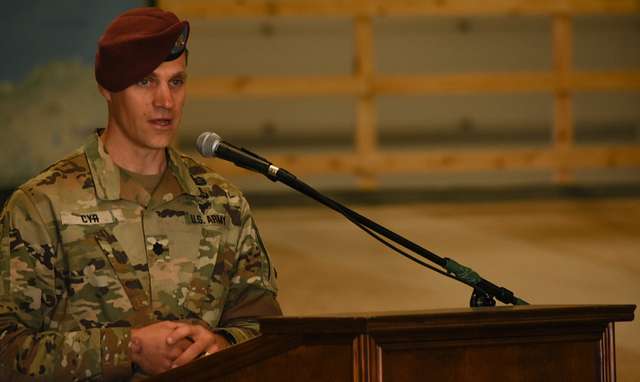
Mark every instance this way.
x=164 y=345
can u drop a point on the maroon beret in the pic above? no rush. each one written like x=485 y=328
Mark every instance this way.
x=137 y=42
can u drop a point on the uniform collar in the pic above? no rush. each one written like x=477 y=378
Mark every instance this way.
x=108 y=183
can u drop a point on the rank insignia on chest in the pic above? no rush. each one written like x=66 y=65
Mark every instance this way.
x=217 y=219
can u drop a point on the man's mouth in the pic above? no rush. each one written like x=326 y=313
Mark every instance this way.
x=162 y=122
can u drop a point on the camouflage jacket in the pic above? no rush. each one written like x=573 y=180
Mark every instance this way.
x=86 y=254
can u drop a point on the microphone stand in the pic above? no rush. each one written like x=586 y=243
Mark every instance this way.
x=484 y=292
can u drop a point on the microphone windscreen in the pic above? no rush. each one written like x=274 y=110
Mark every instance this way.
x=207 y=143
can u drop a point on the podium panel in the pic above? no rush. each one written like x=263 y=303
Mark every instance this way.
x=510 y=343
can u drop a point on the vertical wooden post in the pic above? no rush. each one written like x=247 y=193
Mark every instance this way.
x=366 y=137
x=563 y=110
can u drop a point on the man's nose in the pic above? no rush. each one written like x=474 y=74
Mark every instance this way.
x=163 y=97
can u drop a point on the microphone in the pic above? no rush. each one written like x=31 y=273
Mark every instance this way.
x=211 y=145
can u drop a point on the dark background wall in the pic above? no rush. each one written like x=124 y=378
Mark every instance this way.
x=34 y=32
x=48 y=101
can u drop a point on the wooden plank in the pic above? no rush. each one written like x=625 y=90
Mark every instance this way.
x=563 y=121
x=562 y=45
x=514 y=82
x=603 y=6
x=304 y=164
x=562 y=36
x=397 y=162
x=366 y=134
x=529 y=82
x=205 y=9
x=605 y=80
x=464 y=8
x=224 y=86
x=500 y=7
x=510 y=159
x=465 y=83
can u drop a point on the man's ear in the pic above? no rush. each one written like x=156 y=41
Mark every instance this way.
x=105 y=93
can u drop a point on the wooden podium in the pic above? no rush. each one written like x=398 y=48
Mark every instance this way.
x=523 y=343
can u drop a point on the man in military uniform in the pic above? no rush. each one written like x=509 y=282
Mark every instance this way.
x=128 y=258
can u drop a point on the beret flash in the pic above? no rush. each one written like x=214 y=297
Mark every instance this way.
x=137 y=42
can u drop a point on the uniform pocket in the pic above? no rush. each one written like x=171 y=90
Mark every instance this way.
x=96 y=294
x=207 y=288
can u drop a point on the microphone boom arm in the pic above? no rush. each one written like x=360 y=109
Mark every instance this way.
x=460 y=272
x=484 y=291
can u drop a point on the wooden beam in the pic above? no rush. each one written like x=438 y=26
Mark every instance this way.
x=465 y=83
x=562 y=80
x=515 y=82
x=206 y=9
x=605 y=80
x=603 y=6
x=211 y=86
x=366 y=134
x=562 y=35
x=510 y=159
x=299 y=164
x=456 y=8
x=462 y=8
x=398 y=162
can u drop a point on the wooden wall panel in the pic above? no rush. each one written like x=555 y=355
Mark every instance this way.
x=366 y=160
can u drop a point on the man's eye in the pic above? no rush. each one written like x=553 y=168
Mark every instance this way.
x=144 y=82
x=177 y=82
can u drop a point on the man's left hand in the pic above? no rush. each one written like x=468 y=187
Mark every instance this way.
x=204 y=341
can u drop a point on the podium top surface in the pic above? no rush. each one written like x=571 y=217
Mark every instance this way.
x=371 y=322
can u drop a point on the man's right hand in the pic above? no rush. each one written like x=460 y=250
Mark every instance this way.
x=150 y=349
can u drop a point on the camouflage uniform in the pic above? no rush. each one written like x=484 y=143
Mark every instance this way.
x=86 y=254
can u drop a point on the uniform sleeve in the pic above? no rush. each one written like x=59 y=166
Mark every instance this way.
x=32 y=291
x=253 y=287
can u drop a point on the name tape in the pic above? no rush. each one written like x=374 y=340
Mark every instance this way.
x=90 y=218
